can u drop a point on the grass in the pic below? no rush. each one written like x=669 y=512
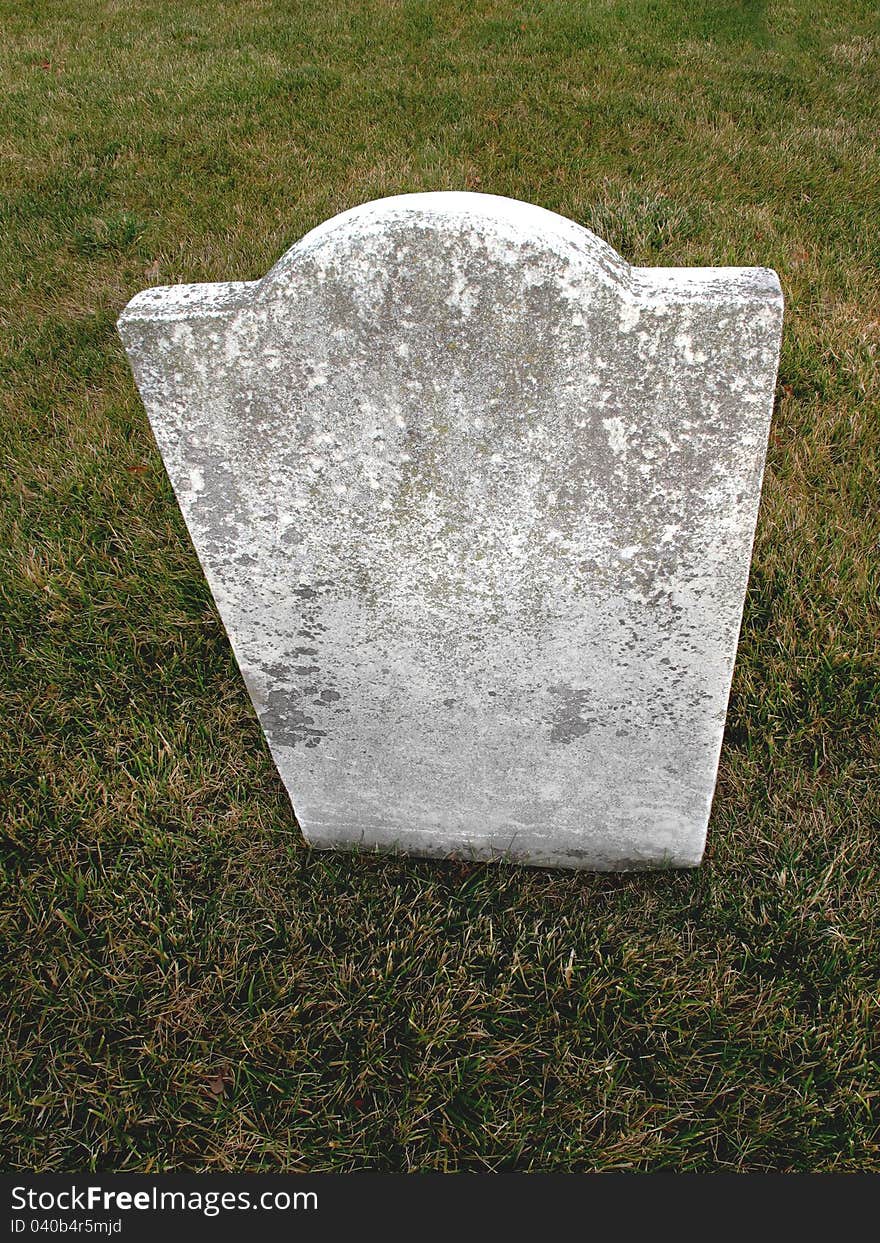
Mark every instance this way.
x=186 y=986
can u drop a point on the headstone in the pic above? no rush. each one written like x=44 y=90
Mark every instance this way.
x=476 y=501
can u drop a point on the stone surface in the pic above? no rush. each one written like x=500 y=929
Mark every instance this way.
x=476 y=501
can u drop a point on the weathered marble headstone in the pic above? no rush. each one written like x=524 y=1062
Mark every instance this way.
x=476 y=501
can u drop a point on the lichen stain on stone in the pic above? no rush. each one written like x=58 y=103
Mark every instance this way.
x=567 y=721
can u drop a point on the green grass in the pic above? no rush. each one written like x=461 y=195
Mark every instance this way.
x=186 y=985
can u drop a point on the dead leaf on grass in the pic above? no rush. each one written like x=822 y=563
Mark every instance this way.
x=217 y=1083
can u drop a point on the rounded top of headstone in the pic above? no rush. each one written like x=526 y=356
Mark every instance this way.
x=456 y=239
x=506 y=228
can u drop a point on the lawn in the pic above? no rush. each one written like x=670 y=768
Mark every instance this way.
x=187 y=986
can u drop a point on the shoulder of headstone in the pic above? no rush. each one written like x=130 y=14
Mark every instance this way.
x=754 y=286
x=172 y=303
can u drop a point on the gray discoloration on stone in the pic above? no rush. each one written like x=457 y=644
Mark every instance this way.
x=476 y=501
x=568 y=722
